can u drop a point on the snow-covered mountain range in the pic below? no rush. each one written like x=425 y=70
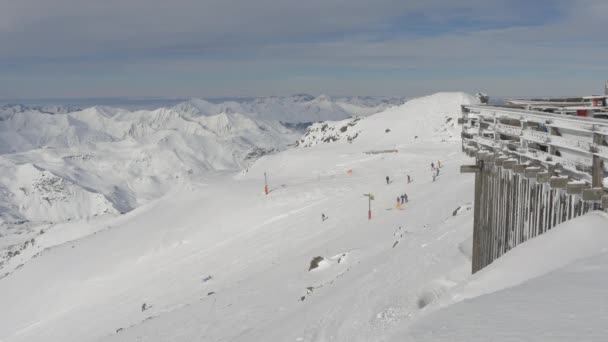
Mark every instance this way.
x=301 y=108
x=61 y=162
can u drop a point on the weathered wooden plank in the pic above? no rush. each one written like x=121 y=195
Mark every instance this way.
x=469 y=168
x=519 y=168
x=500 y=160
x=558 y=182
x=594 y=194
x=576 y=188
x=543 y=177
x=508 y=164
x=531 y=172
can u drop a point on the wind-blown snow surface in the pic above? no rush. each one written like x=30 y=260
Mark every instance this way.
x=218 y=260
x=552 y=288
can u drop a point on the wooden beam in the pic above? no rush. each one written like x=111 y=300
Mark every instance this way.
x=519 y=168
x=508 y=164
x=531 y=172
x=576 y=188
x=480 y=154
x=558 y=182
x=594 y=194
x=470 y=168
x=543 y=177
x=500 y=160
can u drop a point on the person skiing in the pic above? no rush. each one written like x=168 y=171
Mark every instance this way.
x=387 y=179
x=432 y=166
x=398 y=203
x=409 y=180
x=402 y=199
x=439 y=163
x=322 y=217
x=405 y=197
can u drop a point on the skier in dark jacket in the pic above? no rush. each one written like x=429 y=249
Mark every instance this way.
x=387 y=179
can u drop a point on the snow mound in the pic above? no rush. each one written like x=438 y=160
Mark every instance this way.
x=562 y=272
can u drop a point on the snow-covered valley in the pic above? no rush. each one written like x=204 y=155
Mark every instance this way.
x=200 y=253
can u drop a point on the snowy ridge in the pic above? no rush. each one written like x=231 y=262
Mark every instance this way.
x=300 y=108
x=430 y=117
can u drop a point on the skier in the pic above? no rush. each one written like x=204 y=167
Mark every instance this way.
x=409 y=180
x=387 y=179
x=437 y=171
x=398 y=203
x=402 y=199
x=432 y=166
x=323 y=217
x=439 y=163
x=405 y=197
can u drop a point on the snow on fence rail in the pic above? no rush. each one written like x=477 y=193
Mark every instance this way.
x=533 y=171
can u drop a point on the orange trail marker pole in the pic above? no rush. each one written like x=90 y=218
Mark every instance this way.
x=369 y=208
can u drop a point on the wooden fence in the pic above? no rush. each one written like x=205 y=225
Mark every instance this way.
x=533 y=171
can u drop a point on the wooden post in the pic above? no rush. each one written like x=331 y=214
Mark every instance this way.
x=476 y=266
x=597 y=173
x=524 y=126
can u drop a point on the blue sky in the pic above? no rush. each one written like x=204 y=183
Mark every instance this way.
x=218 y=48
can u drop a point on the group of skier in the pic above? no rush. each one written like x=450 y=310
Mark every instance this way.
x=402 y=199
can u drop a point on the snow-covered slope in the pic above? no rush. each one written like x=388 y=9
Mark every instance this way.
x=131 y=157
x=432 y=116
x=218 y=260
x=551 y=288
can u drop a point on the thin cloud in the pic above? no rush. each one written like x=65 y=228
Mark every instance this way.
x=196 y=44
